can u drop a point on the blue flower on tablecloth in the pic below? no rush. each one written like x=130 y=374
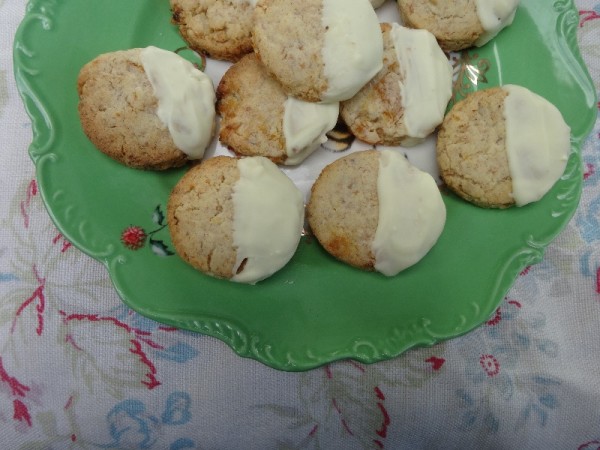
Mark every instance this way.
x=6 y=277
x=588 y=219
x=127 y=315
x=179 y=352
x=591 y=159
x=538 y=408
x=589 y=223
x=182 y=443
x=177 y=410
x=132 y=425
x=589 y=227
x=493 y=378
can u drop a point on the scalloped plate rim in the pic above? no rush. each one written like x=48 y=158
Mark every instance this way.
x=37 y=112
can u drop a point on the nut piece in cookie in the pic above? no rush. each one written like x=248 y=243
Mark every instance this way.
x=134 y=106
x=319 y=50
x=259 y=119
x=220 y=29
x=503 y=146
x=375 y=211
x=238 y=219
x=407 y=99
x=459 y=24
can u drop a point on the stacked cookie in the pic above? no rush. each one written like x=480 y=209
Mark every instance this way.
x=281 y=100
x=459 y=24
x=407 y=98
x=296 y=70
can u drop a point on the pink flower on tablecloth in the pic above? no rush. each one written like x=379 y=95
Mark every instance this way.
x=496 y=318
x=38 y=299
x=436 y=363
x=139 y=341
x=590 y=445
x=346 y=404
x=19 y=391
x=21 y=412
x=589 y=171
x=493 y=378
x=587 y=15
x=490 y=365
x=25 y=204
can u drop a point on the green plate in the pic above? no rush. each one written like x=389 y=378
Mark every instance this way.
x=315 y=310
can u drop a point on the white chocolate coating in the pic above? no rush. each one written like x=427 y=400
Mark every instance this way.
x=412 y=214
x=267 y=221
x=494 y=15
x=305 y=125
x=538 y=143
x=186 y=99
x=353 y=48
x=426 y=85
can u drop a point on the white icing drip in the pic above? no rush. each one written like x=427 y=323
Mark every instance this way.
x=494 y=15
x=412 y=214
x=186 y=99
x=426 y=86
x=537 y=143
x=267 y=220
x=353 y=48
x=305 y=126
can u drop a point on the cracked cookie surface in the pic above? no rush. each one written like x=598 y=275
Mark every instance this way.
x=375 y=114
x=220 y=29
x=343 y=210
x=200 y=215
x=288 y=37
x=251 y=105
x=454 y=23
x=471 y=150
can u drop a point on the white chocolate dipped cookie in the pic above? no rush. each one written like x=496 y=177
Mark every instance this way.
x=319 y=50
x=132 y=106
x=259 y=119
x=502 y=147
x=238 y=219
x=220 y=29
x=375 y=211
x=407 y=99
x=459 y=24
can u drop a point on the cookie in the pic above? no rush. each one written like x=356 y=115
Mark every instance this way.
x=375 y=211
x=220 y=29
x=238 y=219
x=407 y=99
x=319 y=50
x=503 y=146
x=259 y=119
x=459 y=24
x=132 y=107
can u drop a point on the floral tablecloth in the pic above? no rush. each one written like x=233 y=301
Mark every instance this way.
x=78 y=369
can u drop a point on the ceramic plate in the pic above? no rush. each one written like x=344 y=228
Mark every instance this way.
x=316 y=310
